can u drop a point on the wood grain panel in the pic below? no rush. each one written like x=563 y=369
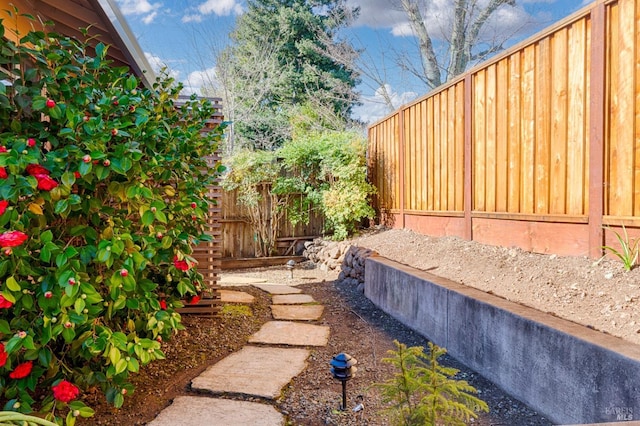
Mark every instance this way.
x=501 y=130
x=513 y=135
x=558 y=117
x=479 y=143
x=542 y=126
x=528 y=125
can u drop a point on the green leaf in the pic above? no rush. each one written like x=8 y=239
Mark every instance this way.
x=61 y=206
x=13 y=285
x=4 y=327
x=148 y=218
x=13 y=344
x=84 y=168
x=55 y=112
x=39 y=102
x=68 y=179
x=46 y=236
x=160 y=216
x=79 y=305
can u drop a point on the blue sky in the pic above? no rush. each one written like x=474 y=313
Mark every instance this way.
x=185 y=35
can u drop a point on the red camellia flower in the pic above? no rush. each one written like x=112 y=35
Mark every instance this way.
x=163 y=304
x=195 y=299
x=22 y=370
x=13 y=238
x=3 y=355
x=3 y=173
x=65 y=391
x=181 y=264
x=36 y=169
x=46 y=183
x=4 y=303
x=3 y=206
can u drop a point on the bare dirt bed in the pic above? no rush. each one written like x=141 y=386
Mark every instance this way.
x=595 y=293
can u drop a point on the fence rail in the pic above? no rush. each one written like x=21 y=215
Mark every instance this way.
x=538 y=147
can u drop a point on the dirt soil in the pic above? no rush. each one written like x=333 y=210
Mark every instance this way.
x=595 y=293
x=599 y=294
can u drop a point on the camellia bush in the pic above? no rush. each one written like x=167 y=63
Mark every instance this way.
x=103 y=194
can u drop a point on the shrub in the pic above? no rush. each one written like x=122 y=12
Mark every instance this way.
x=423 y=392
x=329 y=169
x=102 y=195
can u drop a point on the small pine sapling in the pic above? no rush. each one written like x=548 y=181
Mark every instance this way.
x=423 y=392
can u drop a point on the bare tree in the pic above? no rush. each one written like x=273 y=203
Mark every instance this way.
x=462 y=34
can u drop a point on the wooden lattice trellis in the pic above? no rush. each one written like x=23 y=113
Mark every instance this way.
x=208 y=254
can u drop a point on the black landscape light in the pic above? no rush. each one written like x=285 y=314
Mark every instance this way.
x=342 y=368
x=290 y=265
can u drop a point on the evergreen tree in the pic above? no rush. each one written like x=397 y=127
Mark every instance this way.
x=282 y=59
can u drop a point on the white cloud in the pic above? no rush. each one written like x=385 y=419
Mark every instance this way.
x=197 y=80
x=140 y=7
x=158 y=64
x=374 y=107
x=216 y=7
x=191 y=18
x=150 y=17
x=220 y=7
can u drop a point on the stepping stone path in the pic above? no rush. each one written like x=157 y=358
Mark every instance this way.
x=257 y=370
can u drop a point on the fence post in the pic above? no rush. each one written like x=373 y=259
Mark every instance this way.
x=468 y=156
x=402 y=164
x=597 y=130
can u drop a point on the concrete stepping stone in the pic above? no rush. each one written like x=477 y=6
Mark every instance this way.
x=292 y=299
x=291 y=333
x=278 y=289
x=253 y=371
x=236 y=280
x=203 y=411
x=296 y=312
x=231 y=296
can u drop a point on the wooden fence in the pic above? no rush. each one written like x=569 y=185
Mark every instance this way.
x=238 y=237
x=537 y=148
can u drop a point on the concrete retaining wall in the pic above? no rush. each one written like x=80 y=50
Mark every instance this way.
x=569 y=373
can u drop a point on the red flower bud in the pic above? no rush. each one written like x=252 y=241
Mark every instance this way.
x=106 y=163
x=68 y=325
x=8 y=252
x=3 y=148
x=163 y=304
x=86 y=158
x=48 y=295
x=51 y=103
x=114 y=132
x=3 y=173
x=31 y=142
x=77 y=175
x=86 y=118
x=72 y=281
x=124 y=272
x=159 y=235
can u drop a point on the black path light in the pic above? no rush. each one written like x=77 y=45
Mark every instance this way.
x=342 y=368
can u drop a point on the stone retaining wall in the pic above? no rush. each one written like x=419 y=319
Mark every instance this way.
x=569 y=373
